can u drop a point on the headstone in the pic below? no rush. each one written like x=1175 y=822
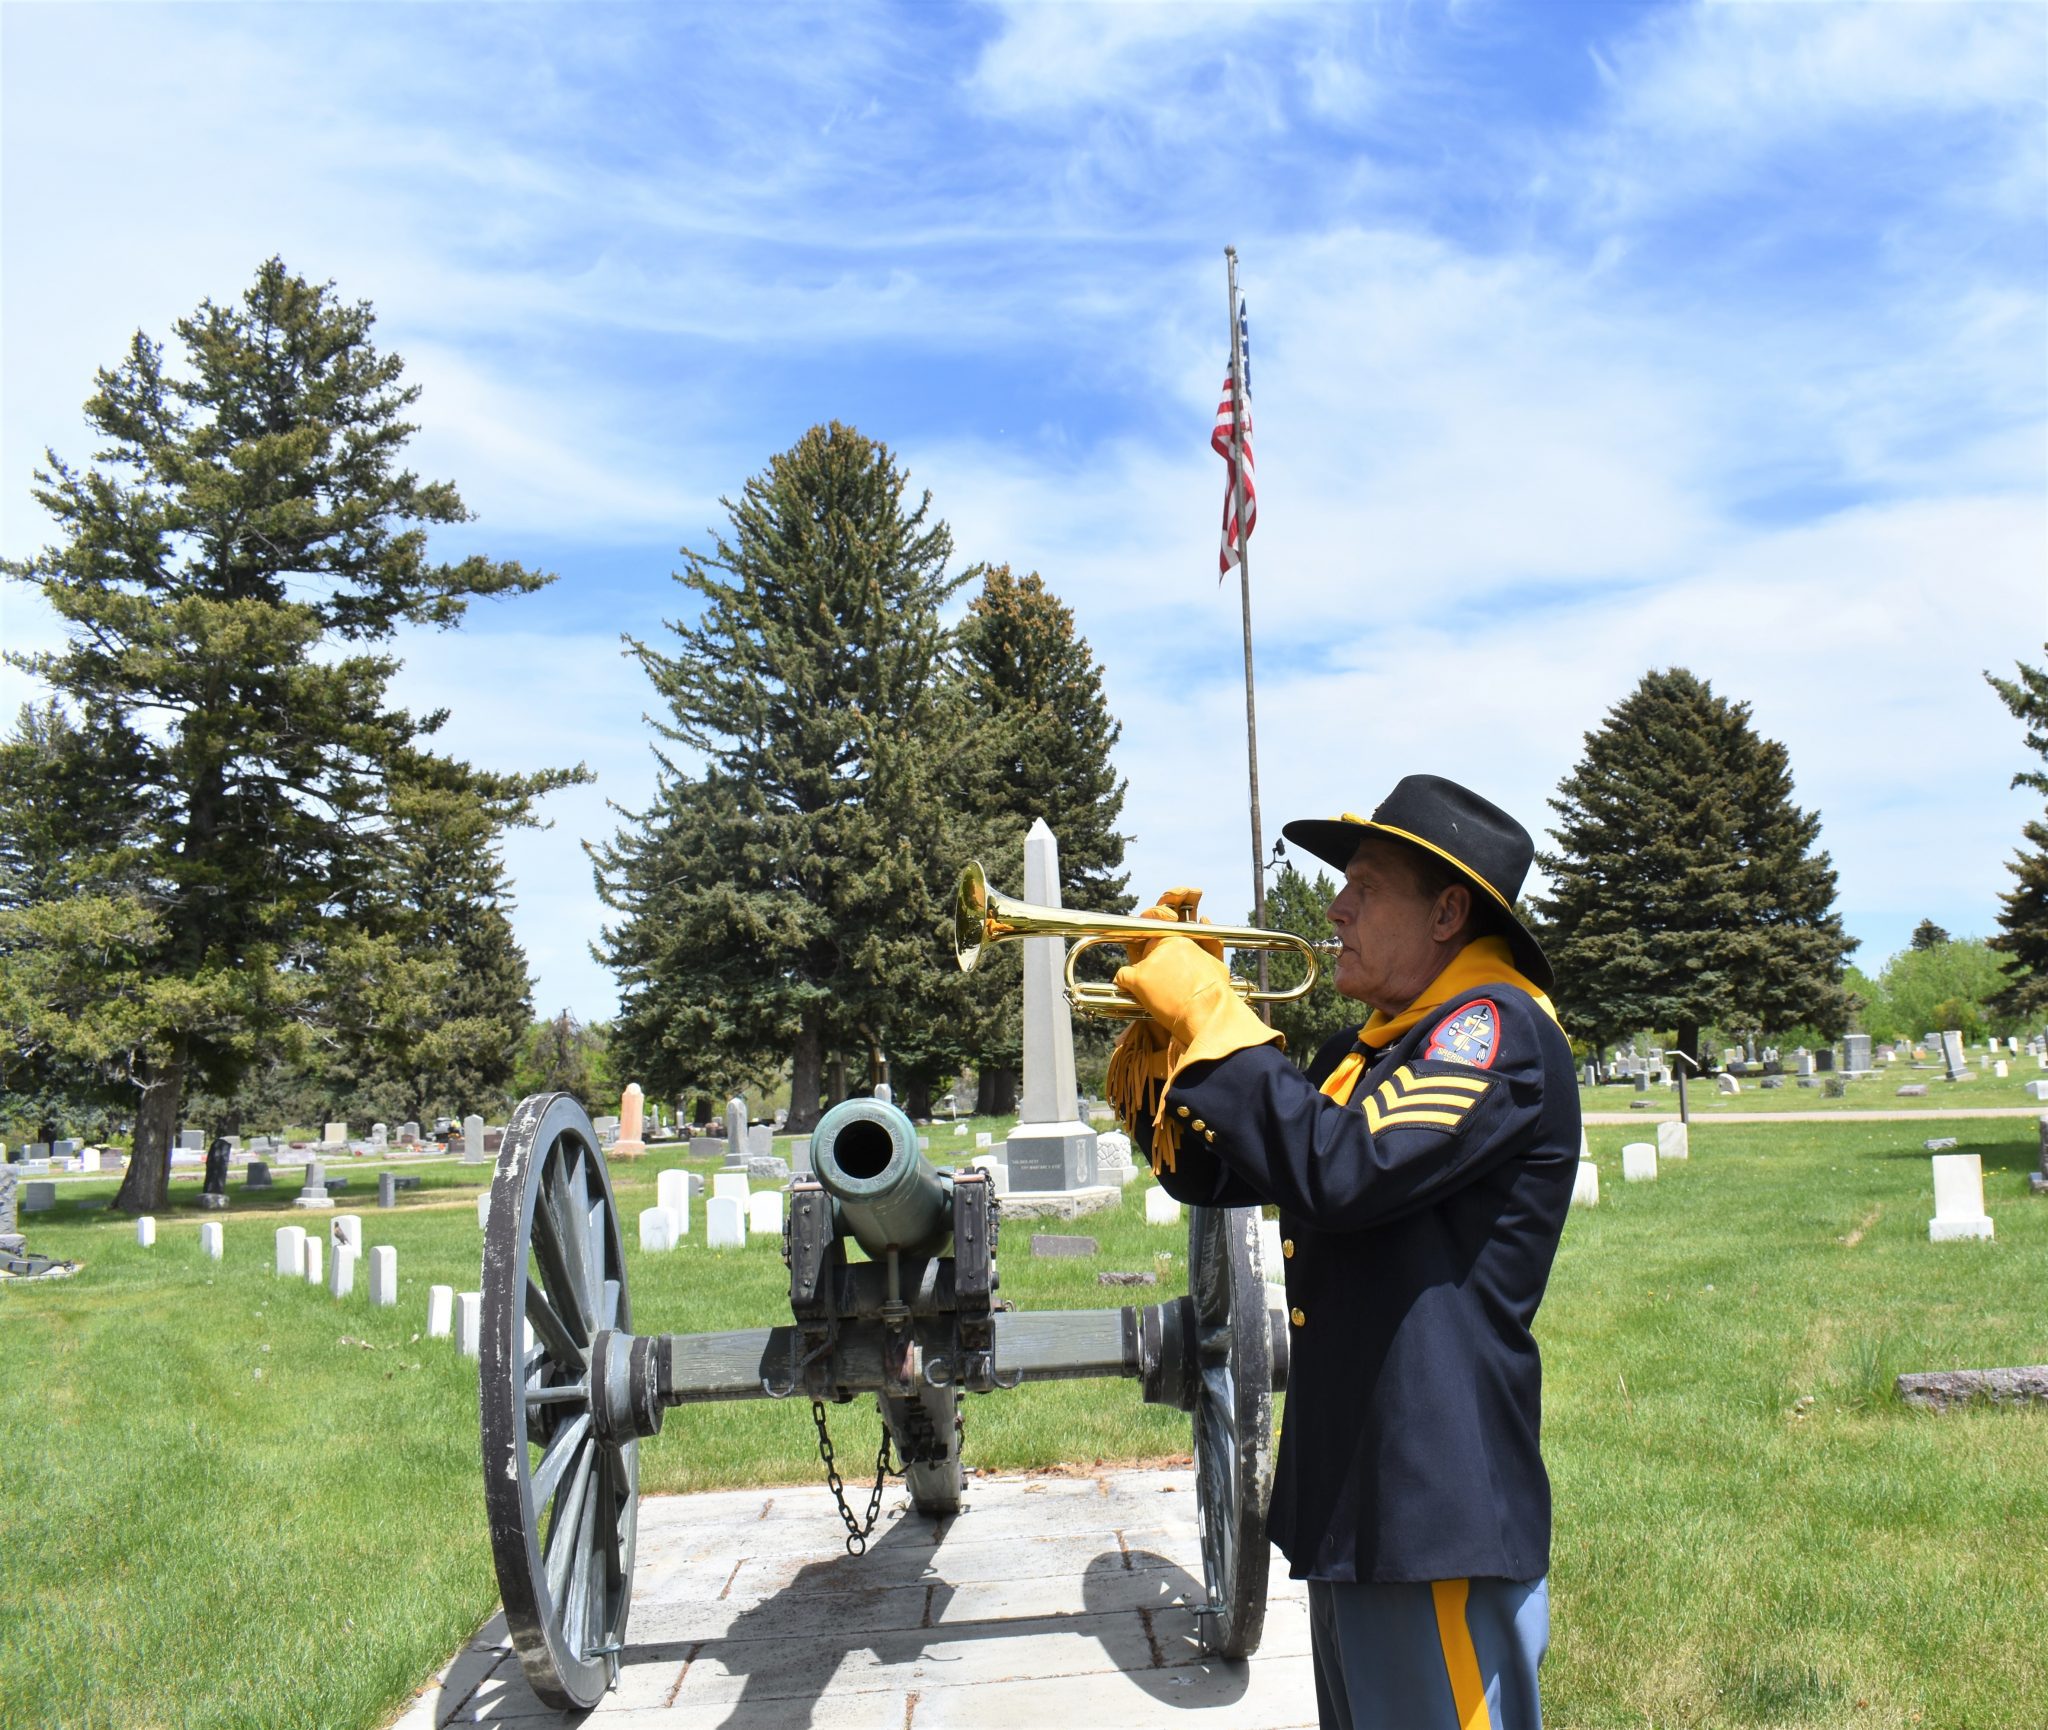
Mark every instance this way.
x=315 y=1249
x=1113 y=1163
x=1824 y=1060
x=707 y=1147
x=384 y=1276
x=998 y=1172
x=473 y=1139
x=632 y=1140
x=1160 y=1208
x=767 y=1167
x=1999 y=1069
x=213 y=1240
x=291 y=1252
x=89 y=1157
x=341 y=1277
x=1803 y=1063
x=440 y=1311
x=1939 y=1143
x=764 y=1213
x=1952 y=1054
x=2035 y=1089
x=672 y=1194
x=1674 y=1141
x=982 y=1139
x=346 y=1228
x=725 y=1222
x=483 y=1211
x=469 y=1317
x=1856 y=1053
x=1051 y=1244
x=1834 y=1087
x=145 y=1231
x=885 y=1093
x=736 y=1129
x=733 y=1185
x=1727 y=1083
x=191 y=1140
x=1638 y=1162
x=760 y=1140
x=1586 y=1185
x=1051 y=1148
x=1912 y=1090
x=1958 y=1199
x=380 y=1137
x=408 y=1133
x=314 y=1193
x=39 y=1197
x=1772 y=1082
x=657 y=1230
x=256 y=1175
x=387 y=1189
x=336 y=1135
x=800 y=1155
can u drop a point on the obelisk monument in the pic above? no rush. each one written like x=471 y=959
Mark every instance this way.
x=1050 y=1148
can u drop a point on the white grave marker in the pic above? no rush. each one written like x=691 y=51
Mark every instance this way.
x=472 y=1140
x=1160 y=1208
x=725 y=1222
x=1958 y=1199
x=384 y=1276
x=341 y=1278
x=2000 y=1070
x=212 y=1240
x=483 y=1211
x=657 y=1230
x=764 y=1213
x=732 y=1186
x=440 y=1311
x=672 y=1191
x=145 y=1231
x=337 y=1135
x=315 y=1251
x=469 y=1318
x=982 y=1140
x=291 y=1251
x=1638 y=1162
x=346 y=1229
x=1586 y=1186
x=1674 y=1141
x=998 y=1172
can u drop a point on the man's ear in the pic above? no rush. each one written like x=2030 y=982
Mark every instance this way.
x=1453 y=909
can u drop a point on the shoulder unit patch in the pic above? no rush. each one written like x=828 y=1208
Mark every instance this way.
x=1470 y=1034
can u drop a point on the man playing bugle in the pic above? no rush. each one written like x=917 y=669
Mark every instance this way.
x=1422 y=1165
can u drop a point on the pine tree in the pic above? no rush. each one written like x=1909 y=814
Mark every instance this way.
x=244 y=535
x=788 y=895
x=1043 y=734
x=1298 y=904
x=2023 y=917
x=1928 y=935
x=1685 y=888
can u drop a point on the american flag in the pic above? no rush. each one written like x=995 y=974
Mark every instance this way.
x=1228 y=441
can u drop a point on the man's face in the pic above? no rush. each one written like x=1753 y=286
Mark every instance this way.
x=1394 y=939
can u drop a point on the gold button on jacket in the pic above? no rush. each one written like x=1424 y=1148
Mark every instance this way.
x=1299 y=1320
x=1287 y=1248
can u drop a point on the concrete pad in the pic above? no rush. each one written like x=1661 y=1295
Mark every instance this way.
x=1046 y=1600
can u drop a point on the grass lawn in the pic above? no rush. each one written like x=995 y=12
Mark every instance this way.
x=1878 y=1092
x=228 y=1500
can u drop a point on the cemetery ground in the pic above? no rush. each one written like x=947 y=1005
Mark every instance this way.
x=229 y=1499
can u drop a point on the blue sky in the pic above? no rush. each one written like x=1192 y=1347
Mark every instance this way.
x=1589 y=339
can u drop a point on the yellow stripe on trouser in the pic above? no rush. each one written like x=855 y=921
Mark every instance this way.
x=1468 y=1690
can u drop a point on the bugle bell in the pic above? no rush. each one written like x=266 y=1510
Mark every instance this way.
x=982 y=916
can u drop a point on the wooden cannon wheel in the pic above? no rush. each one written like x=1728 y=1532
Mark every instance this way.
x=1233 y=1423
x=554 y=1266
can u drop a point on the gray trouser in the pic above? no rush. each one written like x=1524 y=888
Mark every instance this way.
x=1448 y=1655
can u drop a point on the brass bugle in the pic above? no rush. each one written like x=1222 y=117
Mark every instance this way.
x=982 y=916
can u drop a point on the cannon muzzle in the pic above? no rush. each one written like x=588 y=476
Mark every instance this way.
x=890 y=1196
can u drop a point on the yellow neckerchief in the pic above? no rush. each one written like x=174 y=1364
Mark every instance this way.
x=1483 y=961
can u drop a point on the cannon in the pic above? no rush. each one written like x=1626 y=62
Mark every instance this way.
x=569 y=1390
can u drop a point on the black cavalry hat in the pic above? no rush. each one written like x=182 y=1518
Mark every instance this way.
x=1487 y=847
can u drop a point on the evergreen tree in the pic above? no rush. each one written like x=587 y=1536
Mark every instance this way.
x=1686 y=891
x=788 y=895
x=245 y=533
x=564 y=1055
x=1043 y=734
x=1928 y=935
x=2023 y=918
x=1298 y=904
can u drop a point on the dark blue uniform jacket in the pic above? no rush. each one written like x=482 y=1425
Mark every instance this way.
x=1419 y=1222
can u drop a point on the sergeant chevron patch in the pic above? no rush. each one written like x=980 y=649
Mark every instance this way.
x=1406 y=1100
x=1471 y=1035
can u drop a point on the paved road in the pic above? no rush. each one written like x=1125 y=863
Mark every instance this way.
x=1049 y=1603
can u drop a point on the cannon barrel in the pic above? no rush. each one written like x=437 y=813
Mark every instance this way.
x=865 y=1153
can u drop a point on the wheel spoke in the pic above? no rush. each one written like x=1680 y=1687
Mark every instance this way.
x=593 y=1262
x=553 y=1332
x=554 y=1256
x=570 y=1508
x=562 y=1452
x=612 y=1505
x=569 y=1393
x=576 y=1612
x=608 y=1310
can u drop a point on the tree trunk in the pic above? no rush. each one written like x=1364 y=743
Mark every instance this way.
x=995 y=1092
x=147 y=1185
x=806 y=1074
x=1689 y=1039
x=835 y=1078
x=917 y=1098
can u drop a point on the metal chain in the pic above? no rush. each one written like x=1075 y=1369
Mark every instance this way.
x=856 y=1534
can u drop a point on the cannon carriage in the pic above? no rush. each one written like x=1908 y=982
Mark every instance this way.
x=569 y=1389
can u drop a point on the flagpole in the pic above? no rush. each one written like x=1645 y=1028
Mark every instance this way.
x=1244 y=580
